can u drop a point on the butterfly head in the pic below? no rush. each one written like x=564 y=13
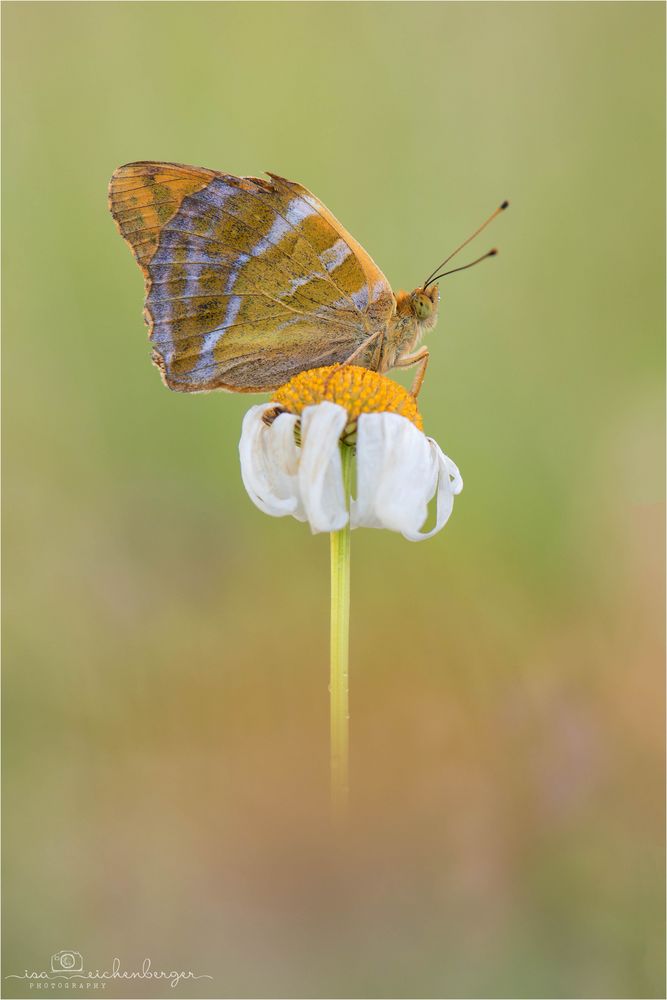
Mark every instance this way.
x=424 y=305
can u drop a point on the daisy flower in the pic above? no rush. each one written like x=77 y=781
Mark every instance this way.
x=293 y=450
x=297 y=459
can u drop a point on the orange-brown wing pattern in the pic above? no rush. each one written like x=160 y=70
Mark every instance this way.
x=248 y=281
x=143 y=197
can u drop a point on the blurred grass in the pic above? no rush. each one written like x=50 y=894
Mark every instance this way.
x=165 y=643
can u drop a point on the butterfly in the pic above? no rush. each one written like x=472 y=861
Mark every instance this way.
x=250 y=281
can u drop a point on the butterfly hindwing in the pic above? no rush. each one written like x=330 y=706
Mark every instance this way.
x=249 y=281
x=143 y=197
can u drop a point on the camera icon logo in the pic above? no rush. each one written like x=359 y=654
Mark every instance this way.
x=67 y=961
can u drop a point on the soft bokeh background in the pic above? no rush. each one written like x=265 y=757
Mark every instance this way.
x=166 y=644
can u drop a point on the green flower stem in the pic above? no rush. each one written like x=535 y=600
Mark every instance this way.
x=340 y=646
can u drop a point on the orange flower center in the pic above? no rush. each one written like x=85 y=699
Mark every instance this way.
x=357 y=390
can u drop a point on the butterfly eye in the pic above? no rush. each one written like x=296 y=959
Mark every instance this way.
x=422 y=306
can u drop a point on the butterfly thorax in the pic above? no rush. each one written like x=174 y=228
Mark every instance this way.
x=416 y=313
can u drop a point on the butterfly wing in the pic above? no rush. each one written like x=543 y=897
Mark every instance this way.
x=248 y=281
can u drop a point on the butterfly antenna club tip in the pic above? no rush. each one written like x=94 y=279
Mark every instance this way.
x=504 y=205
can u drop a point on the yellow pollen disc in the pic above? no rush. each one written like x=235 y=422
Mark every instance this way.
x=357 y=390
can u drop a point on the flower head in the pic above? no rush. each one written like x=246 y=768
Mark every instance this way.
x=291 y=454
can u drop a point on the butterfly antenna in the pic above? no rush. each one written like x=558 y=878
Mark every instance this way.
x=431 y=278
x=491 y=253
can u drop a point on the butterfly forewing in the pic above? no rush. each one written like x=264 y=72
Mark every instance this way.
x=248 y=281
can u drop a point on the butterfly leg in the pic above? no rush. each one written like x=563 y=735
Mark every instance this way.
x=362 y=347
x=419 y=358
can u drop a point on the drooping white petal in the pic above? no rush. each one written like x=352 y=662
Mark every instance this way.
x=398 y=471
x=396 y=474
x=450 y=485
x=270 y=462
x=320 y=469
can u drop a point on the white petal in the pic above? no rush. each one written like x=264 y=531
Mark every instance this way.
x=450 y=485
x=448 y=466
x=270 y=462
x=398 y=471
x=396 y=474
x=320 y=469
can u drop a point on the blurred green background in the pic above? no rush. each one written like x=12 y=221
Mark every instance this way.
x=166 y=644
